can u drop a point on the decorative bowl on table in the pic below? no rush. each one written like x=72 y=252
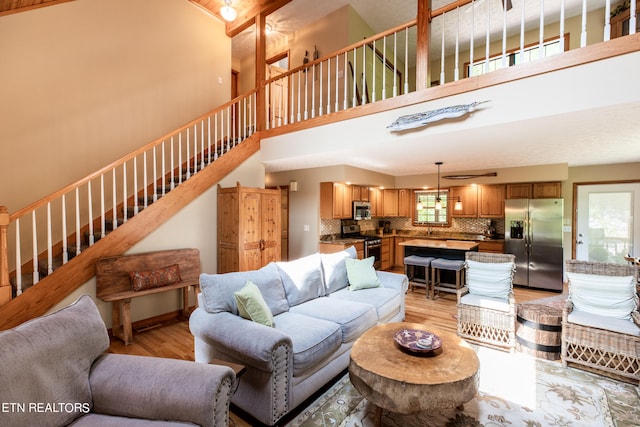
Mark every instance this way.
x=417 y=341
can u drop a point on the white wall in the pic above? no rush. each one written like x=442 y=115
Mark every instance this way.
x=85 y=82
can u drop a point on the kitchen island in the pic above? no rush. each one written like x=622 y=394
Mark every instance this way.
x=449 y=249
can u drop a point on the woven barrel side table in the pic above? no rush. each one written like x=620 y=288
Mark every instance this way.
x=539 y=330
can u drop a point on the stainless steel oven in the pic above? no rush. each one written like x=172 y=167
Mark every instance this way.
x=373 y=248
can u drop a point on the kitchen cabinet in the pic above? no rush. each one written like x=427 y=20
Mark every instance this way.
x=398 y=251
x=249 y=228
x=536 y=190
x=374 y=194
x=385 y=253
x=496 y=247
x=469 y=198
x=359 y=193
x=332 y=247
x=519 y=191
x=389 y=202
x=405 y=202
x=335 y=200
x=547 y=190
x=491 y=201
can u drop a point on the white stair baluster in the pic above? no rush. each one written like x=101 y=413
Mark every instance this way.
x=328 y=85
x=208 y=139
x=364 y=75
x=180 y=157
x=162 y=169
x=522 y=18
x=102 y=218
x=172 y=166
x=49 y=241
x=188 y=156
x=406 y=60
x=124 y=192
x=144 y=180
x=337 y=105
x=456 y=70
x=442 y=76
x=541 y=37
x=90 y=210
x=215 y=137
x=374 y=64
x=505 y=64
x=306 y=94
x=155 y=175
x=313 y=92
x=18 y=259
x=321 y=108
x=472 y=36
x=115 y=201
x=78 y=237
x=488 y=38
x=36 y=274
x=65 y=248
x=299 y=116
x=136 y=207
x=583 y=33
x=202 y=145
x=633 y=19
x=562 y=24
x=384 y=72
x=607 y=20
x=395 y=55
x=345 y=77
x=354 y=78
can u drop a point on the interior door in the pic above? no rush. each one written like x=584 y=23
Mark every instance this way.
x=607 y=222
x=278 y=95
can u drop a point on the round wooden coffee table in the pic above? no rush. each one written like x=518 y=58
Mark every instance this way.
x=395 y=380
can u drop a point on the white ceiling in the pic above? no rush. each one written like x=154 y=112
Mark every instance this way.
x=592 y=128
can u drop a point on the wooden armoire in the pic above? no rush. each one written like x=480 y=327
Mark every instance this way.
x=249 y=228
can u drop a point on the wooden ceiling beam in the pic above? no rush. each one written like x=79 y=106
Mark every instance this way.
x=8 y=7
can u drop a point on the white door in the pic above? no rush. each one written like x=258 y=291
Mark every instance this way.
x=608 y=222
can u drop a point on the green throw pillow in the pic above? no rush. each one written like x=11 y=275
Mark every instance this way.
x=361 y=273
x=252 y=306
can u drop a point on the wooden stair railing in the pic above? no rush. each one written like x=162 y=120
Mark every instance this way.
x=221 y=136
x=39 y=298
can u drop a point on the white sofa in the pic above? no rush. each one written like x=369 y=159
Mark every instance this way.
x=317 y=317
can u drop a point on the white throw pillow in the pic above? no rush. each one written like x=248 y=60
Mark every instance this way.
x=610 y=296
x=494 y=280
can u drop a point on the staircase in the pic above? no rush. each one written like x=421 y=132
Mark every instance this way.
x=138 y=214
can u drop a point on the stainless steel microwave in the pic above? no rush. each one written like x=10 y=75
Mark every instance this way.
x=361 y=210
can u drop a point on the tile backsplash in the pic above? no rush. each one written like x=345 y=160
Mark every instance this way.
x=458 y=225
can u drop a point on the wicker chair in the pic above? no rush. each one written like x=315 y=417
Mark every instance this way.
x=485 y=319
x=599 y=349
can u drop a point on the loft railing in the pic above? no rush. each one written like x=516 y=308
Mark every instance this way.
x=375 y=69
x=31 y=238
x=466 y=38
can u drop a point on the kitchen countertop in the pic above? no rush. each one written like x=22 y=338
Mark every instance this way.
x=460 y=245
x=417 y=235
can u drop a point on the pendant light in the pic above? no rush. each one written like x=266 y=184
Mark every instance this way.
x=438 y=199
x=228 y=12
x=458 y=205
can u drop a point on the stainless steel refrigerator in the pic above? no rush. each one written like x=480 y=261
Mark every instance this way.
x=533 y=233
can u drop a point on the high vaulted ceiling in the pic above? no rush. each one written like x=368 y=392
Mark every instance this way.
x=15 y=6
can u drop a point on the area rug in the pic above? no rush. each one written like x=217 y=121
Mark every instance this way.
x=515 y=390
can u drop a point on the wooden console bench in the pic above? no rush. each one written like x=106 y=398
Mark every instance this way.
x=113 y=282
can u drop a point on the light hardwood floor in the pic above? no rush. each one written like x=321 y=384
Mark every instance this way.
x=174 y=340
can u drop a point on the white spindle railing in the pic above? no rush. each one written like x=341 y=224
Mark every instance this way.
x=119 y=186
x=362 y=73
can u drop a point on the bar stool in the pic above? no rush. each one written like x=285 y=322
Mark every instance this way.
x=440 y=264
x=410 y=264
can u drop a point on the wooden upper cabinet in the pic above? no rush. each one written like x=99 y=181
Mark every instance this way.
x=491 y=201
x=335 y=200
x=547 y=190
x=536 y=190
x=469 y=199
x=390 y=202
x=519 y=191
x=405 y=202
x=373 y=200
x=359 y=193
